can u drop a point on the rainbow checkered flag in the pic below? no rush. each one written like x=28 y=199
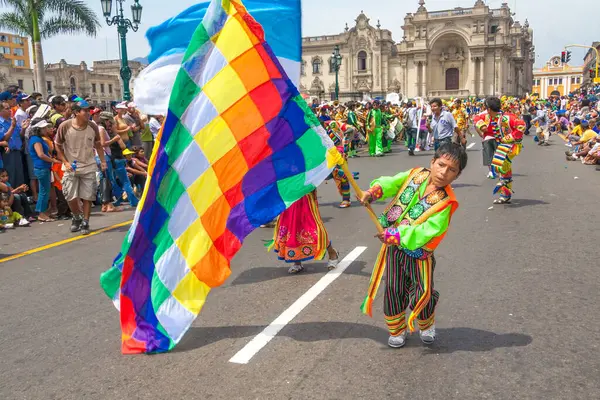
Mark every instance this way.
x=239 y=145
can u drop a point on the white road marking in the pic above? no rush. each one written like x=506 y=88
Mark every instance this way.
x=259 y=341
x=470 y=146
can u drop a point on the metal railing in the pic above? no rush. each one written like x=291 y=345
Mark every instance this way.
x=450 y=13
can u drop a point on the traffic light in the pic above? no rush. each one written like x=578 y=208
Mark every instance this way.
x=568 y=56
x=592 y=73
x=563 y=57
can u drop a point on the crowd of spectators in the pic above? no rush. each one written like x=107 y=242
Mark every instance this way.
x=60 y=156
x=575 y=119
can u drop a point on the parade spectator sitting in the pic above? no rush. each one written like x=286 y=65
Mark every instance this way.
x=588 y=154
x=140 y=158
x=16 y=197
x=587 y=135
x=576 y=132
x=135 y=171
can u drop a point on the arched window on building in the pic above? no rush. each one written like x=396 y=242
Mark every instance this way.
x=72 y=85
x=316 y=64
x=303 y=68
x=362 y=60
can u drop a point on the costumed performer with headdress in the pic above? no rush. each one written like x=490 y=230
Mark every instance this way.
x=414 y=223
x=508 y=132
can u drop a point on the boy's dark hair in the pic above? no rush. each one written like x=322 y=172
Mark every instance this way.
x=453 y=151
x=3 y=170
x=437 y=101
x=532 y=109
x=494 y=104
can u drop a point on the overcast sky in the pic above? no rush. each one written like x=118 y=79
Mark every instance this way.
x=555 y=23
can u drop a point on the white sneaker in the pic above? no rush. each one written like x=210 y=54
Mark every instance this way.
x=9 y=226
x=417 y=149
x=397 y=341
x=490 y=175
x=568 y=145
x=428 y=335
x=23 y=222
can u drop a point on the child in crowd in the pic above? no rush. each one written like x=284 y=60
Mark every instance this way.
x=16 y=198
x=137 y=174
x=8 y=217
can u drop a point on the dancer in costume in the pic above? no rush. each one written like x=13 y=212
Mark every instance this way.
x=460 y=116
x=375 y=130
x=300 y=235
x=352 y=120
x=508 y=131
x=341 y=134
x=414 y=223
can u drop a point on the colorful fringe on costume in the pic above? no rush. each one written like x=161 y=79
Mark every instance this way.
x=300 y=234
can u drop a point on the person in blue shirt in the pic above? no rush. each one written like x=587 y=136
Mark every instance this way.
x=42 y=164
x=10 y=132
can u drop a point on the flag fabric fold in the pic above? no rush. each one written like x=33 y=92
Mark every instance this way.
x=239 y=145
x=281 y=22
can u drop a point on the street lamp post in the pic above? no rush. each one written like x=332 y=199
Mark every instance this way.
x=336 y=63
x=123 y=24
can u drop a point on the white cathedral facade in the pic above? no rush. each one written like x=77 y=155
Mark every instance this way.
x=461 y=52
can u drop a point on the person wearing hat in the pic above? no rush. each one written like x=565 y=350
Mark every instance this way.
x=123 y=127
x=26 y=126
x=75 y=142
x=136 y=170
x=42 y=164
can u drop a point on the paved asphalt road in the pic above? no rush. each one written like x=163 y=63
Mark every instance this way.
x=518 y=316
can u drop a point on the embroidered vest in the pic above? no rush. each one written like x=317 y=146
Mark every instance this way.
x=398 y=213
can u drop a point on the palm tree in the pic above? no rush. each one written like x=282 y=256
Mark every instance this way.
x=43 y=19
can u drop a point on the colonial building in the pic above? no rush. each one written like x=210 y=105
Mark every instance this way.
x=556 y=78
x=102 y=83
x=63 y=78
x=461 y=52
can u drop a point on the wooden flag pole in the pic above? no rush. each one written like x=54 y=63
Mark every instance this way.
x=359 y=193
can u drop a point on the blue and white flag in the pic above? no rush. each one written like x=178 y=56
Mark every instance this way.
x=281 y=22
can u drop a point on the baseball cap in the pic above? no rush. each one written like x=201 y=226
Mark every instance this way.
x=83 y=104
x=121 y=106
x=95 y=111
x=585 y=122
x=5 y=96
x=131 y=104
x=74 y=98
x=42 y=124
x=22 y=96
x=107 y=116
x=30 y=109
x=127 y=152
